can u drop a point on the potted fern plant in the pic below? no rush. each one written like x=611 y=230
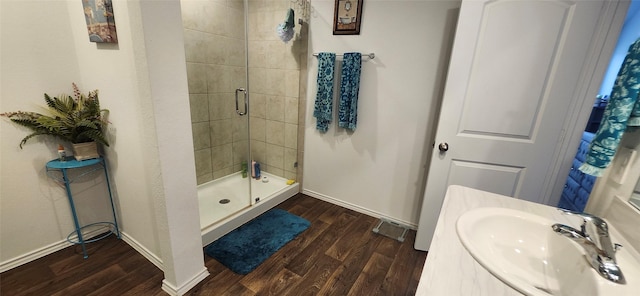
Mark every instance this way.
x=77 y=119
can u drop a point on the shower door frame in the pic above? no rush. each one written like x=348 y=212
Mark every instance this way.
x=247 y=91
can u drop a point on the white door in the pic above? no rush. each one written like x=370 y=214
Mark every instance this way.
x=516 y=67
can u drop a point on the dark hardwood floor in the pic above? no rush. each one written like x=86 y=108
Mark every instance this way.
x=337 y=255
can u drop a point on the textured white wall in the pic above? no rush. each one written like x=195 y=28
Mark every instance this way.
x=380 y=168
x=176 y=206
x=37 y=57
x=142 y=81
x=41 y=53
x=116 y=71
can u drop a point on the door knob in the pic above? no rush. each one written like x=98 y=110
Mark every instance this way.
x=443 y=146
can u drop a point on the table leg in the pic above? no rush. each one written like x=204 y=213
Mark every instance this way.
x=73 y=212
x=113 y=208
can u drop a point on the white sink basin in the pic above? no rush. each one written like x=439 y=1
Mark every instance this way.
x=522 y=251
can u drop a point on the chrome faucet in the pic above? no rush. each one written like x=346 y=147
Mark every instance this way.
x=600 y=251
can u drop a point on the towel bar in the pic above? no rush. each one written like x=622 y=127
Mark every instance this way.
x=369 y=55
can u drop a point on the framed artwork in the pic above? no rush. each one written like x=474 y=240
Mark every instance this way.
x=100 y=21
x=346 y=20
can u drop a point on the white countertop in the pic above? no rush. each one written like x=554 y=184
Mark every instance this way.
x=450 y=269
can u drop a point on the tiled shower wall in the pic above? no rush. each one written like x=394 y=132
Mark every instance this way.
x=215 y=53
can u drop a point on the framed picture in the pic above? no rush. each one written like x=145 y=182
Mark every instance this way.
x=100 y=21
x=347 y=17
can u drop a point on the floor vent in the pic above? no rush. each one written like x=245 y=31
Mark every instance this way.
x=391 y=229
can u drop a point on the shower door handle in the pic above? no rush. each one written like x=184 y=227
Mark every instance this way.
x=244 y=93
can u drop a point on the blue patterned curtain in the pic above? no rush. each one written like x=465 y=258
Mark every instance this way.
x=622 y=112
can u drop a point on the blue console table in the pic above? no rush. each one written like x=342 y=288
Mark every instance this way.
x=91 y=165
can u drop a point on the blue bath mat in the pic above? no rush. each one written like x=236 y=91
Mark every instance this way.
x=246 y=247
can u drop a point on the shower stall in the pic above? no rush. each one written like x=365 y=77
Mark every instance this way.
x=245 y=94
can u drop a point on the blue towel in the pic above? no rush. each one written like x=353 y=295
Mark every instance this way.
x=324 y=99
x=349 y=87
x=622 y=111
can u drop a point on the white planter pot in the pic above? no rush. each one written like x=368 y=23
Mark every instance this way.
x=84 y=151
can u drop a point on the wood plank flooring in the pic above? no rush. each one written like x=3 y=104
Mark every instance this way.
x=337 y=255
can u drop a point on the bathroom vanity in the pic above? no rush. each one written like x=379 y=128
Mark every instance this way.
x=450 y=269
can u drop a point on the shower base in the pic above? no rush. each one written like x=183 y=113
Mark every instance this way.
x=224 y=203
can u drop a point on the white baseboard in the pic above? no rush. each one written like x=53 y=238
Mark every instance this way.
x=178 y=291
x=57 y=246
x=142 y=250
x=33 y=255
x=44 y=251
x=358 y=208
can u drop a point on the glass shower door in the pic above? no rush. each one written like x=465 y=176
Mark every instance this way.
x=215 y=47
